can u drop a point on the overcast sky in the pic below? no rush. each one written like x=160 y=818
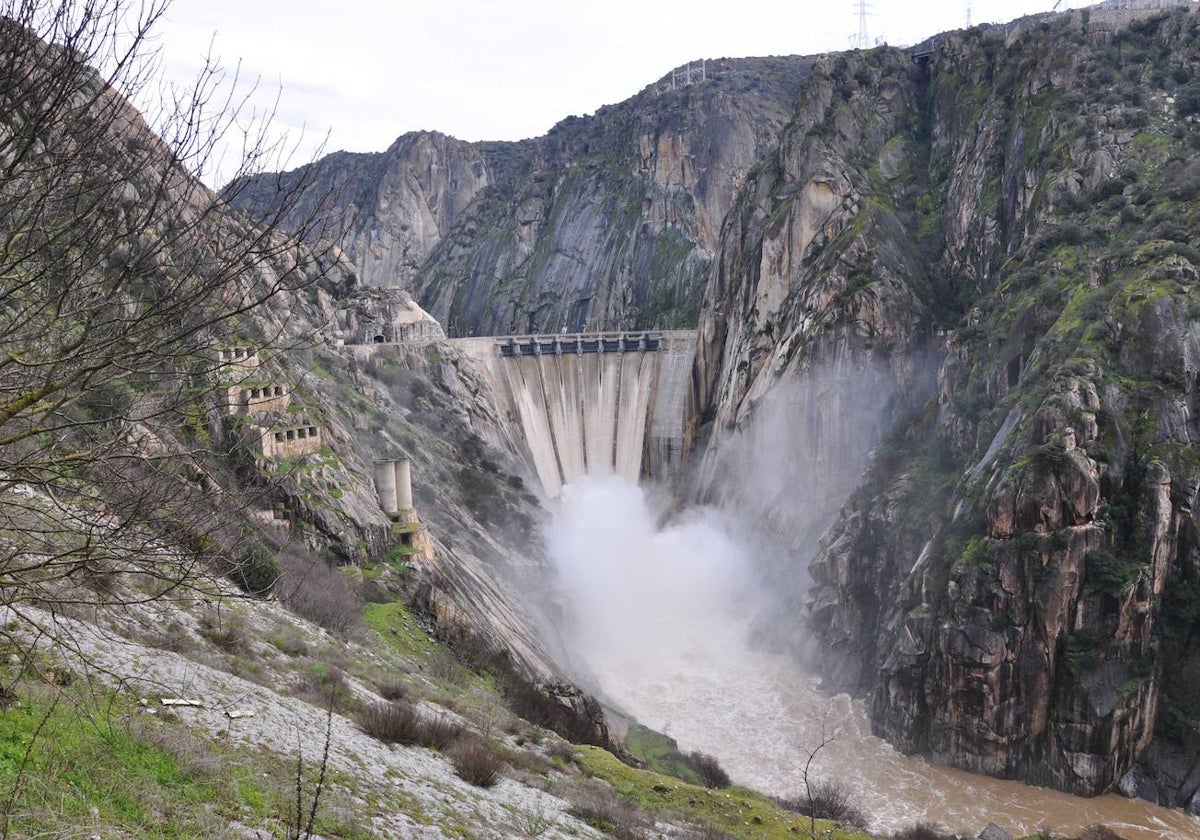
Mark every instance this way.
x=365 y=71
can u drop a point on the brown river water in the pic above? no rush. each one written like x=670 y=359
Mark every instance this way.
x=661 y=617
x=760 y=716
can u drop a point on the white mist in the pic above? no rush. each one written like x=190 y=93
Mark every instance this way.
x=660 y=618
x=642 y=598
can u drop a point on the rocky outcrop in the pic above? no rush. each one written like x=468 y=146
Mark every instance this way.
x=609 y=221
x=1014 y=585
x=388 y=210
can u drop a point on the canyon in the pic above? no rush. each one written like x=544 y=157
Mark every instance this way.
x=902 y=345
x=993 y=232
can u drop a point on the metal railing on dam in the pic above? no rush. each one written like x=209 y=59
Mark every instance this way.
x=578 y=343
x=592 y=403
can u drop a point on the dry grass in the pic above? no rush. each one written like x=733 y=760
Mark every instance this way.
x=226 y=632
x=393 y=689
x=440 y=732
x=603 y=810
x=564 y=751
x=325 y=685
x=392 y=723
x=476 y=762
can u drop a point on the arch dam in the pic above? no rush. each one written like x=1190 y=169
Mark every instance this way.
x=593 y=403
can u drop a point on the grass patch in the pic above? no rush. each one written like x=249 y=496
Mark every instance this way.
x=397 y=626
x=661 y=753
x=81 y=774
x=737 y=811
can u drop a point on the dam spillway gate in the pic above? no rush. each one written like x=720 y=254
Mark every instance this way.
x=593 y=403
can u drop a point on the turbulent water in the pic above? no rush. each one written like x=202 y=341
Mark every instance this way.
x=661 y=619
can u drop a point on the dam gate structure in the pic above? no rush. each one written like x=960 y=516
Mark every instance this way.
x=593 y=403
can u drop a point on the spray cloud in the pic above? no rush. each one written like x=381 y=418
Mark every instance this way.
x=641 y=597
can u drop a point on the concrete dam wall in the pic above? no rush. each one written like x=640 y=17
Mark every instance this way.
x=593 y=403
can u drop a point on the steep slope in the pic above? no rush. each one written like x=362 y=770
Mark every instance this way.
x=389 y=209
x=170 y=383
x=608 y=221
x=1014 y=584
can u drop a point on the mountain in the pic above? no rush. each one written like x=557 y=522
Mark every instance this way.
x=609 y=221
x=964 y=278
x=1012 y=582
x=957 y=284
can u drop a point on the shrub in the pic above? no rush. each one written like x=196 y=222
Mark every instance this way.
x=228 y=633
x=326 y=686
x=1187 y=100
x=392 y=689
x=828 y=800
x=440 y=732
x=289 y=643
x=313 y=589
x=476 y=762
x=709 y=770
x=1105 y=572
x=920 y=831
x=257 y=570
x=603 y=810
x=564 y=751
x=392 y=723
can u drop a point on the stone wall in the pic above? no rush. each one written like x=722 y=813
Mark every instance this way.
x=265 y=399
x=284 y=441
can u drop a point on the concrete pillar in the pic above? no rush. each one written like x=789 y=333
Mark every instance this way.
x=403 y=480
x=385 y=486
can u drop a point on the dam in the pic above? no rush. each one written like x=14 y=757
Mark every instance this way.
x=612 y=403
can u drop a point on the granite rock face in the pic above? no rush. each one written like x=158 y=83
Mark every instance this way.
x=1013 y=585
x=388 y=210
x=609 y=221
x=961 y=285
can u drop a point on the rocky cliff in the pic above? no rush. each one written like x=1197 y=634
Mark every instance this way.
x=958 y=287
x=1013 y=585
x=608 y=221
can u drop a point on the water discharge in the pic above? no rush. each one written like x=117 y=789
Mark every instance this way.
x=661 y=618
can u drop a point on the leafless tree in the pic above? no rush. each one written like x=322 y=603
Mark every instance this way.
x=122 y=280
x=809 y=780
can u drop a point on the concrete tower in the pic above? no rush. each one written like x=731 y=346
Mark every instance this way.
x=403 y=482
x=385 y=486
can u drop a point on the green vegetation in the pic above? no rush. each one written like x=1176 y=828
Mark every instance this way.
x=72 y=764
x=1105 y=572
x=661 y=753
x=737 y=811
x=257 y=570
x=398 y=628
x=1082 y=651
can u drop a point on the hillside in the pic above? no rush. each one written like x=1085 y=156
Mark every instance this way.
x=609 y=221
x=958 y=286
x=970 y=269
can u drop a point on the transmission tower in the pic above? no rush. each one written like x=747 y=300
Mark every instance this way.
x=862 y=40
x=968 y=14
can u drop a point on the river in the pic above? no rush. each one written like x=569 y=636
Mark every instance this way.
x=662 y=621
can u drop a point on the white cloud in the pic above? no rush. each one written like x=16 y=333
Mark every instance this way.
x=367 y=72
